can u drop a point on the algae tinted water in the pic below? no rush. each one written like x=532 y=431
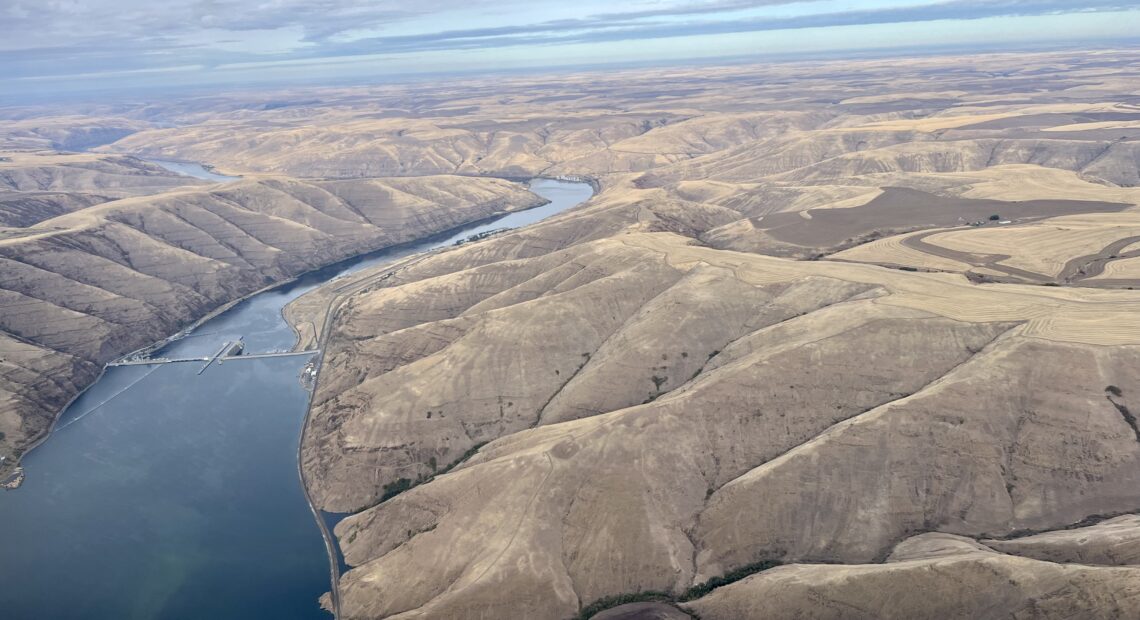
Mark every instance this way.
x=168 y=494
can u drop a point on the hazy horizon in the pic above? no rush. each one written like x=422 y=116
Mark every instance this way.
x=81 y=47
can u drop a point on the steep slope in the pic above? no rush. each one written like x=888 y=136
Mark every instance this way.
x=40 y=185
x=23 y=209
x=83 y=173
x=82 y=288
x=647 y=395
x=787 y=412
x=1113 y=542
x=931 y=576
x=39 y=128
x=812 y=120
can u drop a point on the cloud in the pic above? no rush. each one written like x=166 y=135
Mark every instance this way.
x=618 y=27
x=46 y=37
x=69 y=36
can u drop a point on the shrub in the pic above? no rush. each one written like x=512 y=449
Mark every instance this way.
x=463 y=457
x=692 y=593
x=702 y=589
x=392 y=489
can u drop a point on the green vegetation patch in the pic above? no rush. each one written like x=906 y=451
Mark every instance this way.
x=693 y=593
x=748 y=570
x=392 y=489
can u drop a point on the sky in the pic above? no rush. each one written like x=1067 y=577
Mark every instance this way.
x=74 y=45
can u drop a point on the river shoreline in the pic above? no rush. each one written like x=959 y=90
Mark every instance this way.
x=320 y=339
x=210 y=171
x=188 y=329
x=359 y=270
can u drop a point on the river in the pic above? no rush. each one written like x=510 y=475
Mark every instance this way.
x=192 y=169
x=163 y=493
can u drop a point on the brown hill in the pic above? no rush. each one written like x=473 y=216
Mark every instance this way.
x=646 y=399
x=652 y=399
x=928 y=576
x=80 y=289
x=690 y=412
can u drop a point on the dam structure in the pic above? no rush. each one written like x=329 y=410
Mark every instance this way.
x=230 y=351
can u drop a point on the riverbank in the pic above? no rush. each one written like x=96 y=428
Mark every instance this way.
x=320 y=306
x=501 y=207
x=14 y=480
x=206 y=172
x=10 y=465
x=188 y=467
x=338 y=295
x=307 y=311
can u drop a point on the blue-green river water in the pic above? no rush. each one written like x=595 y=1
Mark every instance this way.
x=163 y=493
